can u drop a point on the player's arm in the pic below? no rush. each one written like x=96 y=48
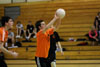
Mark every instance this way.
x=59 y=46
x=56 y=27
x=50 y=23
x=4 y=50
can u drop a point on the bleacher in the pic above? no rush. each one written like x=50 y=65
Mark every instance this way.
x=76 y=24
x=79 y=18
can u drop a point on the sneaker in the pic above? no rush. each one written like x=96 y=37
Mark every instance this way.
x=14 y=46
x=34 y=36
x=27 y=38
x=17 y=36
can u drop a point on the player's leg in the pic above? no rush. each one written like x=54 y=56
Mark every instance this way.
x=40 y=62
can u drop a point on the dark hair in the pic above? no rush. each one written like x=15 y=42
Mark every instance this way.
x=4 y=20
x=37 y=24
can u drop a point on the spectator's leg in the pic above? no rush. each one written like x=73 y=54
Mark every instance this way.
x=29 y=36
x=12 y=39
x=22 y=33
x=19 y=31
x=25 y=34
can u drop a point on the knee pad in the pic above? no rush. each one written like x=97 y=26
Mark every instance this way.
x=53 y=64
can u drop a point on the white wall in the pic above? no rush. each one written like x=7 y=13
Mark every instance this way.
x=37 y=0
x=18 y=1
x=5 y=1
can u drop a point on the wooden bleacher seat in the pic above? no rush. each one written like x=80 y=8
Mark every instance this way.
x=67 y=55
x=68 y=48
x=79 y=18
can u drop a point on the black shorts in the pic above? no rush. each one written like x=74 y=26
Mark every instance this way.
x=22 y=32
x=2 y=62
x=9 y=40
x=41 y=62
x=91 y=39
x=51 y=56
x=30 y=32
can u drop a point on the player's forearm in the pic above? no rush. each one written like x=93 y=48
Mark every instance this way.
x=59 y=45
x=4 y=50
x=58 y=24
x=49 y=24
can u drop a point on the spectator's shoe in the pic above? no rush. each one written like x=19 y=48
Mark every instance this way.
x=14 y=46
x=10 y=47
x=34 y=36
x=21 y=37
x=17 y=36
x=27 y=38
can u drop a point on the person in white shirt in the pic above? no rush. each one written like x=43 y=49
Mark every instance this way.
x=20 y=30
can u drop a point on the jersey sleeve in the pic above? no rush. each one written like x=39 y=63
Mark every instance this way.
x=51 y=31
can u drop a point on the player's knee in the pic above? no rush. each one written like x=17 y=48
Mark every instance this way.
x=53 y=64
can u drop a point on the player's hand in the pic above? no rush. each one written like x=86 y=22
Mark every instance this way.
x=14 y=54
x=62 y=53
x=56 y=16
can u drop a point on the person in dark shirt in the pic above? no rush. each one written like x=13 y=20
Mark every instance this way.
x=20 y=30
x=54 y=42
x=97 y=22
x=30 y=31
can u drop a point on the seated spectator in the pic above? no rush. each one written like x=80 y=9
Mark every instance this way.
x=97 y=21
x=20 y=30
x=18 y=42
x=30 y=31
x=10 y=39
x=93 y=35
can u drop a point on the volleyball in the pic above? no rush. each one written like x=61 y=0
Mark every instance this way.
x=61 y=13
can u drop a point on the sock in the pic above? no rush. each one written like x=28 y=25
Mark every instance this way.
x=12 y=45
x=6 y=44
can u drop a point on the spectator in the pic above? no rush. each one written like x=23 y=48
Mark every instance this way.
x=30 y=31
x=97 y=21
x=10 y=39
x=18 y=42
x=20 y=30
x=93 y=35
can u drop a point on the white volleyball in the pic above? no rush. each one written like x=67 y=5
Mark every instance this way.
x=61 y=13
